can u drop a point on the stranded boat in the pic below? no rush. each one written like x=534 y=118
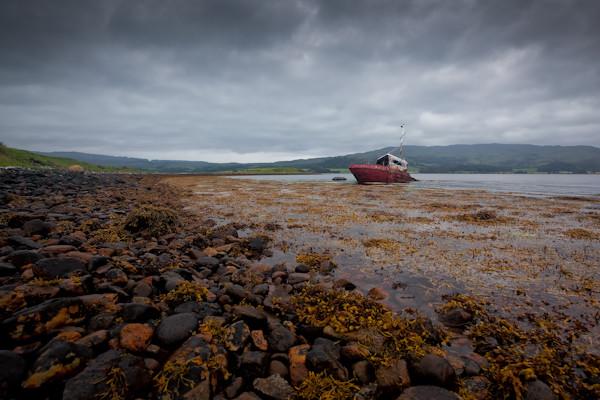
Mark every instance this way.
x=387 y=169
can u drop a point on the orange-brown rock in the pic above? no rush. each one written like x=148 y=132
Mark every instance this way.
x=136 y=337
x=298 y=369
x=258 y=338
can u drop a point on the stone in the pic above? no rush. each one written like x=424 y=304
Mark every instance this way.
x=254 y=364
x=174 y=329
x=297 y=277
x=139 y=312
x=81 y=256
x=302 y=268
x=471 y=368
x=116 y=276
x=208 y=262
x=97 y=262
x=262 y=289
x=200 y=391
x=72 y=240
x=278 y=299
x=193 y=355
x=94 y=339
x=59 y=267
x=106 y=252
x=94 y=380
x=378 y=294
x=142 y=289
x=256 y=245
x=364 y=371
x=280 y=339
x=427 y=393
x=135 y=337
x=239 y=293
x=234 y=388
x=297 y=359
x=248 y=396
x=457 y=317
x=258 y=339
x=274 y=387
x=58 y=249
x=324 y=357
x=237 y=335
x=12 y=369
x=59 y=360
x=345 y=283
x=354 y=352
x=7 y=269
x=478 y=387
x=39 y=319
x=433 y=370
x=278 y=367
x=393 y=377
x=71 y=288
x=36 y=227
x=368 y=392
x=538 y=390
x=21 y=243
x=254 y=317
x=19 y=258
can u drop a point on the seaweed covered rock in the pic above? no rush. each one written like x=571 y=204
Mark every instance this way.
x=59 y=360
x=152 y=221
x=111 y=375
x=37 y=320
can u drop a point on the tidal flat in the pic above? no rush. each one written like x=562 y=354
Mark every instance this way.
x=528 y=257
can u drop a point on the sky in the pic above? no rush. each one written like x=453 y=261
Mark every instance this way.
x=271 y=80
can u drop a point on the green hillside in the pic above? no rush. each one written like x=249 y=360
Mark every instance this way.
x=21 y=158
x=473 y=158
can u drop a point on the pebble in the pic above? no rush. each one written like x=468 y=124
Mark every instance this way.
x=434 y=370
x=174 y=329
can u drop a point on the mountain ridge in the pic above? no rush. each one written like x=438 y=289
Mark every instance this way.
x=473 y=158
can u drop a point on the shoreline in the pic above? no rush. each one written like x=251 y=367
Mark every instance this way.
x=143 y=264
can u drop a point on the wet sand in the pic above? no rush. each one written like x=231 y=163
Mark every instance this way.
x=528 y=256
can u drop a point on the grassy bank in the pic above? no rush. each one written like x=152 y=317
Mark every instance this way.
x=10 y=157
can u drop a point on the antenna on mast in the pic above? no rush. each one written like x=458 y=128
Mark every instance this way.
x=402 y=139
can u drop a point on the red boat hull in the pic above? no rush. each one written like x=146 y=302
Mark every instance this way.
x=368 y=173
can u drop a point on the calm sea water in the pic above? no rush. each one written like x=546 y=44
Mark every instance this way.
x=532 y=184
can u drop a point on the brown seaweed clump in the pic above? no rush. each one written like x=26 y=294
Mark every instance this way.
x=152 y=221
x=325 y=387
x=352 y=316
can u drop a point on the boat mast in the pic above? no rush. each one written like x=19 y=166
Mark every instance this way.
x=402 y=139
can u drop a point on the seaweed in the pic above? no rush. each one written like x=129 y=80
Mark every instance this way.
x=321 y=386
x=313 y=259
x=152 y=221
x=185 y=291
x=384 y=334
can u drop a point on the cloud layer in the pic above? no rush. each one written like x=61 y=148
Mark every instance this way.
x=272 y=80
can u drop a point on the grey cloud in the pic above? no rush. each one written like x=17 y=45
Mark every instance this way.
x=295 y=77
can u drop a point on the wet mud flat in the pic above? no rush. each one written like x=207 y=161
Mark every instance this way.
x=523 y=254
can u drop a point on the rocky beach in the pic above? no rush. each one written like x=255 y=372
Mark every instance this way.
x=188 y=287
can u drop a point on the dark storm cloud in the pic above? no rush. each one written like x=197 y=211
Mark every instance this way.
x=193 y=79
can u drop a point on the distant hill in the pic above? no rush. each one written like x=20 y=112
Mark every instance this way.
x=22 y=158
x=474 y=158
